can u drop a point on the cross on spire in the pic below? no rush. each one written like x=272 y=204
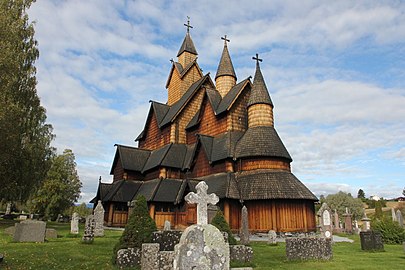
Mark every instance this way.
x=188 y=24
x=225 y=39
x=257 y=58
x=201 y=198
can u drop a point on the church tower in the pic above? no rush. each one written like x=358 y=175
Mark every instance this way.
x=260 y=106
x=185 y=71
x=225 y=78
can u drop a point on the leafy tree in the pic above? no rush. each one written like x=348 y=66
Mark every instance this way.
x=341 y=200
x=81 y=209
x=391 y=232
x=219 y=221
x=361 y=194
x=139 y=228
x=25 y=138
x=378 y=210
x=61 y=187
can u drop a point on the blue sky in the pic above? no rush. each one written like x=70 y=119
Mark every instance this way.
x=335 y=71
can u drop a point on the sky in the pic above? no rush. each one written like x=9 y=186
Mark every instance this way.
x=335 y=71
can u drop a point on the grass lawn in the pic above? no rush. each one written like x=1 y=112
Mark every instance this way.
x=67 y=252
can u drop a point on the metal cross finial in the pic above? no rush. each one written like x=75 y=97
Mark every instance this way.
x=171 y=60
x=257 y=58
x=188 y=24
x=225 y=39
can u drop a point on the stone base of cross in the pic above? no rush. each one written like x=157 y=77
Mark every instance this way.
x=202 y=199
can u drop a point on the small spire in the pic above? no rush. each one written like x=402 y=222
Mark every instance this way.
x=225 y=67
x=259 y=93
x=187 y=45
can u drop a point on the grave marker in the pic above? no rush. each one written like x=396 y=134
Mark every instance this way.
x=325 y=220
x=400 y=219
x=99 y=219
x=30 y=231
x=244 y=230
x=88 y=235
x=74 y=224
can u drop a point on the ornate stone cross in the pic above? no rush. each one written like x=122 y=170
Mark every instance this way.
x=202 y=199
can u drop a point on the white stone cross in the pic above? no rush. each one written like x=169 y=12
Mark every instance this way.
x=202 y=199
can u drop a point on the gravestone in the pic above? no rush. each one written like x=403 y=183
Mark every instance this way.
x=308 y=248
x=128 y=257
x=99 y=219
x=366 y=223
x=30 y=231
x=167 y=226
x=149 y=258
x=272 y=238
x=336 y=225
x=393 y=215
x=8 y=208
x=51 y=234
x=244 y=230
x=325 y=220
x=400 y=219
x=371 y=240
x=348 y=222
x=88 y=235
x=202 y=245
x=74 y=224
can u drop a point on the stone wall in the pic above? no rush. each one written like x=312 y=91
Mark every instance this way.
x=309 y=248
x=240 y=253
x=166 y=239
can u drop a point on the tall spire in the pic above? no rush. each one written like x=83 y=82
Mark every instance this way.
x=188 y=45
x=225 y=66
x=259 y=93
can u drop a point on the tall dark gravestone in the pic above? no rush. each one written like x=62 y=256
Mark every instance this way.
x=371 y=240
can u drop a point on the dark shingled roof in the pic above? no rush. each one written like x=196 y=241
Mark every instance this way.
x=102 y=191
x=175 y=156
x=160 y=110
x=217 y=183
x=195 y=120
x=261 y=142
x=123 y=191
x=268 y=184
x=220 y=147
x=188 y=159
x=187 y=46
x=148 y=189
x=206 y=142
x=156 y=157
x=131 y=158
x=259 y=93
x=214 y=97
x=178 y=106
x=225 y=66
x=231 y=96
x=168 y=190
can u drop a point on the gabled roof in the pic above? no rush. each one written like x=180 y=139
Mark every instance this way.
x=261 y=141
x=123 y=191
x=175 y=156
x=187 y=45
x=160 y=110
x=148 y=189
x=217 y=183
x=182 y=71
x=214 y=97
x=176 y=108
x=259 y=93
x=131 y=158
x=102 y=191
x=268 y=184
x=225 y=67
x=220 y=147
x=188 y=159
x=168 y=190
x=156 y=157
x=195 y=120
x=232 y=95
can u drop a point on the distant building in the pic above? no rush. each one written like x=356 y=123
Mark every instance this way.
x=375 y=198
x=218 y=131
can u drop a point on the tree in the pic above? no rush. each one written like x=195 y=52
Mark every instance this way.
x=60 y=189
x=361 y=194
x=139 y=228
x=25 y=139
x=219 y=221
x=341 y=200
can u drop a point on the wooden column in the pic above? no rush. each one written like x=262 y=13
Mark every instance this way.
x=226 y=211
x=152 y=211
x=110 y=215
x=304 y=212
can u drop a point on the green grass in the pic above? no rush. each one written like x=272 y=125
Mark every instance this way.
x=67 y=252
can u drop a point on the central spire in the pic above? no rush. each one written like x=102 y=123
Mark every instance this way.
x=225 y=78
x=187 y=47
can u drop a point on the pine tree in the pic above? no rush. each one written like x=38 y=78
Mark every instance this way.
x=139 y=228
x=220 y=222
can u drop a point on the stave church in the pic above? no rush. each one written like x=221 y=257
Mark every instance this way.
x=219 y=131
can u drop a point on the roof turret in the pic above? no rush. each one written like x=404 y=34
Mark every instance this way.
x=187 y=45
x=259 y=93
x=225 y=67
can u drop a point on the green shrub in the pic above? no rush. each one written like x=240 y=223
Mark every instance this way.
x=391 y=232
x=219 y=221
x=139 y=228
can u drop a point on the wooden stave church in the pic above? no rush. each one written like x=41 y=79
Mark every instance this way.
x=221 y=133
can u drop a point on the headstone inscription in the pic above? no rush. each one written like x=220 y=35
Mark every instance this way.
x=244 y=230
x=74 y=224
x=30 y=231
x=88 y=235
x=325 y=220
x=201 y=246
x=400 y=219
x=99 y=219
